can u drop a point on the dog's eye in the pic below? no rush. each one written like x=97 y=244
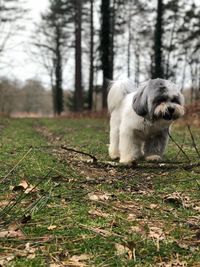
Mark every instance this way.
x=175 y=100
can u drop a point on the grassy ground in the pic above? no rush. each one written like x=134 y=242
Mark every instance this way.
x=57 y=208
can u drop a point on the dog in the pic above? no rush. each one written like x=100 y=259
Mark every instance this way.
x=141 y=117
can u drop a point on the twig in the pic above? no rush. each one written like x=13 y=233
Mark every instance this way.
x=182 y=144
x=180 y=148
x=16 y=165
x=79 y=152
x=99 y=231
x=21 y=197
x=193 y=141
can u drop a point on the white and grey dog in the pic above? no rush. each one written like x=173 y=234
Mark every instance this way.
x=141 y=117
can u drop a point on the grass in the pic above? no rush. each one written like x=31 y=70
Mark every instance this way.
x=72 y=212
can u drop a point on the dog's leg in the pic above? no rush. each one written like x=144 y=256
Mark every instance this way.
x=130 y=146
x=114 y=136
x=154 y=147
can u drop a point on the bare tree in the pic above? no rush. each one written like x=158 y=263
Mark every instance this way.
x=11 y=12
x=158 y=45
x=52 y=41
x=105 y=47
x=78 y=95
x=91 y=73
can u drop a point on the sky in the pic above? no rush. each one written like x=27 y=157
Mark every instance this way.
x=17 y=61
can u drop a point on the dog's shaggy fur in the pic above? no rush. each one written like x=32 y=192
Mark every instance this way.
x=141 y=117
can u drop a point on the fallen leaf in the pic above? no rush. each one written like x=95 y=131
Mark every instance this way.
x=4 y=203
x=5 y=259
x=156 y=232
x=98 y=213
x=157 y=235
x=173 y=263
x=52 y=227
x=12 y=233
x=29 y=189
x=98 y=196
x=77 y=260
x=153 y=206
x=30 y=251
x=125 y=250
x=131 y=217
x=100 y=231
x=23 y=185
x=137 y=229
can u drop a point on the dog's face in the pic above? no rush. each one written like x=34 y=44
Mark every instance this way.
x=159 y=99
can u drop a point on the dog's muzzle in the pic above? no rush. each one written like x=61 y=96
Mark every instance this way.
x=172 y=112
x=169 y=115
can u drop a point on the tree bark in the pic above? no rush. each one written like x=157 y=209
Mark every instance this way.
x=91 y=77
x=105 y=48
x=78 y=96
x=158 y=67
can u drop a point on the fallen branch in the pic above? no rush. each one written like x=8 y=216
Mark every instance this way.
x=79 y=152
x=193 y=141
x=180 y=148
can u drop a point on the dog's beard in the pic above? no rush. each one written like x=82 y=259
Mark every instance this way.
x=168 y=111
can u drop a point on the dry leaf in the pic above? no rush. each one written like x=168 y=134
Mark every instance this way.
x=131 y=217
x=4 y=259
x=153 y=206
x=100 y=231
x=137 y=229
x=98 y=196
x=157 y=235
x=52 y=227
x=173 y=263
x=23 y=185
x=29 y=189
x=12 y=233
x=174 y=198
x=4 y=203
x=77 y=261
x=98 y=213
x=125 y=250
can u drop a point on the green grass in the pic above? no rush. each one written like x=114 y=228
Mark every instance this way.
x=92 y=209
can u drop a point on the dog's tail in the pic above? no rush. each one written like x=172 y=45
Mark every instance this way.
x=118 y=90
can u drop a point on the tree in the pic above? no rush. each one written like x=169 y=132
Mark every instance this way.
x=52 y=40
x=11 y=12
x=158 y=38
x=78 y=95
x=105 y=52
x=91 y=72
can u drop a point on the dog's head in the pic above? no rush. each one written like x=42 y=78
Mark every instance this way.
x=159 y=99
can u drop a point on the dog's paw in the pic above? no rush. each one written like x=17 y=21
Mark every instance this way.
x=113 y=154
x=156 y=158
x=127 y=162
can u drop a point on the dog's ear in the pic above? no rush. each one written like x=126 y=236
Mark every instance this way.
x=140 y=101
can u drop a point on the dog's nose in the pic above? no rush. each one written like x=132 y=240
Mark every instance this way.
x=171 y=110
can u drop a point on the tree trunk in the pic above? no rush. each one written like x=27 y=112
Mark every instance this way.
x=129 y=46
x=78 y=96
x=57 y=89
x=158 y=67
x=170 y=47
x=91 y=77
x=112 y=42
x=137 y=62
x=105 y=48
